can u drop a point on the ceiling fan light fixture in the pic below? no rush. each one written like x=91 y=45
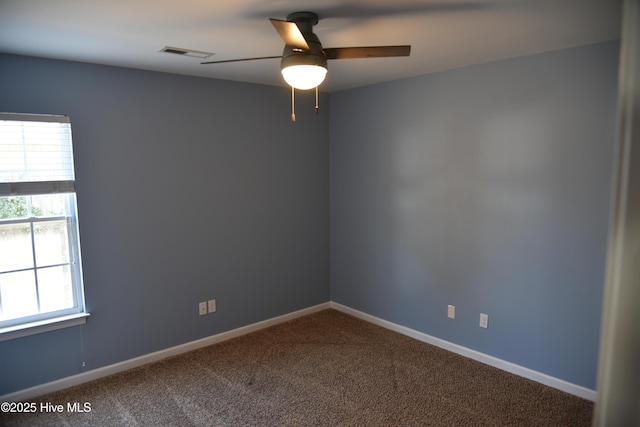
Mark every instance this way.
x=303 y=62
x=304 y=77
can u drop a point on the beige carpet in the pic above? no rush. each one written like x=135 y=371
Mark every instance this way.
x=325 y=369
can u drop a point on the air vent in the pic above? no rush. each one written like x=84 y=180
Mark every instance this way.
x=186 y=52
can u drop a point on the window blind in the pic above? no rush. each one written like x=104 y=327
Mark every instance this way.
x=36 y=154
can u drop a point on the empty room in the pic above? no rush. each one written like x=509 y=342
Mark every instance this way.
x=424 y=228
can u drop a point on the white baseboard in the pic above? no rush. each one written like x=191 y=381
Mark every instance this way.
x=63 y=383
x=521 y=371
x=94 y=374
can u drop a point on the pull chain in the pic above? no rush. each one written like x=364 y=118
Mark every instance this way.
x=293 y=104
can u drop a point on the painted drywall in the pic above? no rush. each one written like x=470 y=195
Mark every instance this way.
x=188 y=189
x=487 y=188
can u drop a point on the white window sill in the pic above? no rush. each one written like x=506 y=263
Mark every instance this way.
x=33 y=328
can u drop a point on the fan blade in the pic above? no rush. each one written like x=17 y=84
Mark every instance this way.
x=367 y=52
x=290 y=33
x=242 y=59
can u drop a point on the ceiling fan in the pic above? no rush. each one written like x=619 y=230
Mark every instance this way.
x=304 y=61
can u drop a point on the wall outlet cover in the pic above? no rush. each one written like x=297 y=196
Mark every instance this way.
x=211 y=305
x=202 y=308
x=484 y=320
x=451 y=311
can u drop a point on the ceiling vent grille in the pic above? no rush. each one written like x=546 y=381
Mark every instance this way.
x=186 y=52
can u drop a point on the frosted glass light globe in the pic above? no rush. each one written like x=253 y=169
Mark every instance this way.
x=304 y=77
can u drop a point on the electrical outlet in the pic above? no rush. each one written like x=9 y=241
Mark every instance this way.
x=211 y=304
x=484 y=320
x=202 y=307
x=451 y=311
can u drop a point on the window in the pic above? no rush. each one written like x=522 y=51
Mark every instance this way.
x=40 y=270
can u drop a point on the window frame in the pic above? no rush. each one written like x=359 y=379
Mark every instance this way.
x=77 y=314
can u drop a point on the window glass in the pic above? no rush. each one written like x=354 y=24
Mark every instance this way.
x=40 y=271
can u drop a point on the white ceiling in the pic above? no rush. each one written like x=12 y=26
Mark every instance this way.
x=444 y=34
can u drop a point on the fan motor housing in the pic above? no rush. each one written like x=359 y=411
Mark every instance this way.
x=295 y=56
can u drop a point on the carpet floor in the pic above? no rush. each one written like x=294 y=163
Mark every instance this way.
x=324 y=369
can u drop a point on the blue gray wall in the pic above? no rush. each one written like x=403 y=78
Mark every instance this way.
x=487 y=188
x=188 y=189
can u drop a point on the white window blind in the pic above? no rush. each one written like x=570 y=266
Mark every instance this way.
x=36 y=154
